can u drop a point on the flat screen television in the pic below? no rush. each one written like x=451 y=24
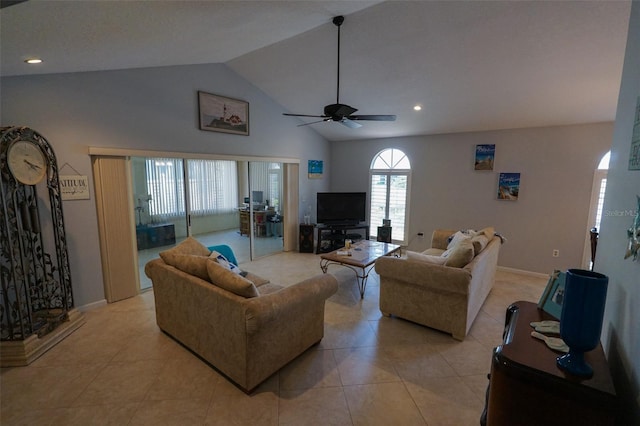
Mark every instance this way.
x=348 y=208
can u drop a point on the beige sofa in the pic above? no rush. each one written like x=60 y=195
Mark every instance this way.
x=246 y=338
x=424 y=288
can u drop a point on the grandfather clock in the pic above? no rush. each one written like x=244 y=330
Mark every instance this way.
x=36 y=300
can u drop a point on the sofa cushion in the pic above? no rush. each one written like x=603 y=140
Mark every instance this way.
x=479 y=242
x=457 y=237
x=489 y=232
x=224 y=278
x=419 y=257
x=460 y=255
x=219 y=257
x=189 y=263
x=188 y=246
x=433 y=251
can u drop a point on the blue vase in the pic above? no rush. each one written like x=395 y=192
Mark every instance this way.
x=585 y=293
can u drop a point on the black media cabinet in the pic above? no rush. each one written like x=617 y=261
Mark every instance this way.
x=331 y=237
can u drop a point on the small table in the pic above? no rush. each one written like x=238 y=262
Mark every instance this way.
x=363 y=256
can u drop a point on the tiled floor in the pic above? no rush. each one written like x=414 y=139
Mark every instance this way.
x=119 y=369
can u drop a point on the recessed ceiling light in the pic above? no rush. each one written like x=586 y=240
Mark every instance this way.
x=417 y=108
x=33 y=61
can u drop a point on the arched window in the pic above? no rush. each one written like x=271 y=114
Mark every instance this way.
x=595 y=206
x=390 y=174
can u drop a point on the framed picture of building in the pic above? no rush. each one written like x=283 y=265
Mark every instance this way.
x=222 y=114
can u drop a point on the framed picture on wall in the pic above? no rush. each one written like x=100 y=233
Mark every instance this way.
x=315 y=169
x=221 y=114
x=509 y=186
x=485 y=155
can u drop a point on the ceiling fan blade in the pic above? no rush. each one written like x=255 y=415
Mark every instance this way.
x=350 y=124
x=314 y=122
x=304 y=115
x=373 y=117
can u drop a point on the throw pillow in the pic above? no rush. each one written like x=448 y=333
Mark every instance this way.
x=457 y=237
x=488 y=231
x=188 y=246
x=218 y=257
x=479 y=242
x=419 y=257
x=224 y=278
x=460 y=255
x=189 y=263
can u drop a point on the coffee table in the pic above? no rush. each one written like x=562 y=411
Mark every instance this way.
x=361 y=260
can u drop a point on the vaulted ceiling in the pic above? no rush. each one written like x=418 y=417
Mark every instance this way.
x=471 y=65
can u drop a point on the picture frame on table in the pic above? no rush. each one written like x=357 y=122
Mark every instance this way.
x=553 y=295
x=221 y=114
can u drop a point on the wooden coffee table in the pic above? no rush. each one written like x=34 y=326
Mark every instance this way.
x=361 y=260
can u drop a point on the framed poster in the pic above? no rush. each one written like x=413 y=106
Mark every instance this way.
x=221 y=114
x=485 y=155
x=553 y=295
x=509 y=186
x=315 y=169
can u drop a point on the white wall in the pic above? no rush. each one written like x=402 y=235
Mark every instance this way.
x=621 y=328
x=556 y=165
x=148 y=109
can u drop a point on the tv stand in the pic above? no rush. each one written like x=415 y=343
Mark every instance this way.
x=331 y=236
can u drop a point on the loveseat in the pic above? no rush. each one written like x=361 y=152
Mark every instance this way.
x=445 y=286
x=241 y=324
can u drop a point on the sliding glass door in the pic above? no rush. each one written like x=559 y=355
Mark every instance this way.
x=265 y=193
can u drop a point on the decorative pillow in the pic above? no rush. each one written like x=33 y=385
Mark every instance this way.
x=218 y=257
x=224 y=278
x=488 y=231
x=479 y=242
x=457 y=237
x=189 y=263
x=460 y=255
x=419 y=257
x=188 y=246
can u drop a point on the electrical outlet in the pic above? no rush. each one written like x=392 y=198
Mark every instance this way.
x=556 y=253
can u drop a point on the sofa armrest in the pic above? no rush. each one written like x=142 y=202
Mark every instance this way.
x=423 y=274
x=440 y=238
x=290 y=302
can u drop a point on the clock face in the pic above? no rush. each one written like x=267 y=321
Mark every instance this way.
x=26 y=162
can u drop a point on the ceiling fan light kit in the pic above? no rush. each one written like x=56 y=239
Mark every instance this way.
x=338 y=112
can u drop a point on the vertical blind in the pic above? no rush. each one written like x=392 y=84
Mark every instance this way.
x=213 y=187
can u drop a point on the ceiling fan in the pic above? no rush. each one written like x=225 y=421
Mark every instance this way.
x=338 y=112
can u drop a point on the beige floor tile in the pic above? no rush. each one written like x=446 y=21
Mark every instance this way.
x=31 y=417
x=312 y=369
x=487 y=330
x=393 y=331
x=446 y=401
x=414 y=362
x=148 y=346
x=121 y=382
x=45 y=387
x=467 y=358
x=171 y=412
x=371 y=364
x=382 y=404
x=185 y=378
x=347 y=335
x=238 y=409
x=319 y=406
x=96 y=415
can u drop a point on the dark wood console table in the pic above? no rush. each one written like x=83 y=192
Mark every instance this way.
x=331 y=237
x=527 y=388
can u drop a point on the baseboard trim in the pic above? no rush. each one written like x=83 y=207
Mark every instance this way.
x=92 y=306
x=523 y=272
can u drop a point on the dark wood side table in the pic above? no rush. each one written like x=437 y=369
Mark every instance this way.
x=527 y=388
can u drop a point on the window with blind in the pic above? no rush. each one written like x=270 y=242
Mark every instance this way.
x=390 y=172
x=213 y=187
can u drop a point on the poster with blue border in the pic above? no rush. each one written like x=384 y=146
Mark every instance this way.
x=485 y=154
x=509 y=186
x=315 y=169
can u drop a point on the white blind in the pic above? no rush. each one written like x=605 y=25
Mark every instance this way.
x=213 y=187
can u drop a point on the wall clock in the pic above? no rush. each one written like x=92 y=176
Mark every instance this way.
x=26 y=162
